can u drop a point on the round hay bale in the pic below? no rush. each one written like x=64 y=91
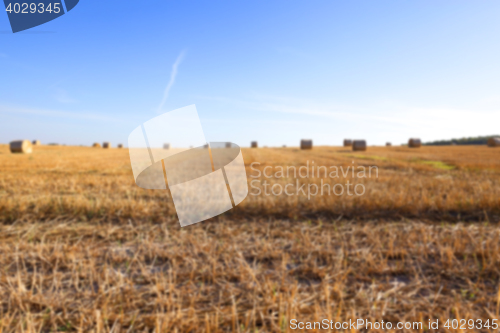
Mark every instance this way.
x=96 y=145
x=494 y=142
x=347 y=142
x=106 y=145
x=120 y=145
x=21 y=146
x=36 y=142
x=388 y=144
x=306 y=144
x=359 y=145
x=166 y=146
x=414 y=143
x=254 y=144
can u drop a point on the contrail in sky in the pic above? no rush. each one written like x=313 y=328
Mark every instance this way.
x=172 y=80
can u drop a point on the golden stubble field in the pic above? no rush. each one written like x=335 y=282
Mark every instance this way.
x=84 y=249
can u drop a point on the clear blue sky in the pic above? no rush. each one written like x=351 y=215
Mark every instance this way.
x=272 y=71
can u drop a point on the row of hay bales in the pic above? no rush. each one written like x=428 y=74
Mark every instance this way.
x=106 y=145
x=167 y=145
x=26 y=146
x=360 y=145
x=308 y=144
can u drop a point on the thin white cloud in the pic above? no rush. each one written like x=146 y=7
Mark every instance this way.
x=54 y=113
x=389 y=121
x=170 y=84
x=426 y=122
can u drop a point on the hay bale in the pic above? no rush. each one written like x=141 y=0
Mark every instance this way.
x=166 y=146
x=21 y=146
x=347 y=143
x=306 y=144
x=36 y=142
x=414 y=143
x=106 y=145
x=388 y=144
x=254 y=144
x=120 y=145
x=96 y=145
x=359 y=145
x=494 y=142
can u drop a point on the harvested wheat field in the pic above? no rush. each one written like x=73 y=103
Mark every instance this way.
x=84 y=249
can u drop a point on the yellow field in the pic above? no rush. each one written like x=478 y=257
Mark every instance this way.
x=84 y=249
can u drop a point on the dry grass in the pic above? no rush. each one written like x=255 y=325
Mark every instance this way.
x=438 y=183
x=241 y=276
x=83 y=249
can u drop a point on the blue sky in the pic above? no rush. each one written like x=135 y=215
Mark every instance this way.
x=272 y=71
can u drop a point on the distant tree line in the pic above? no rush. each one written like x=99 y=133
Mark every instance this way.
x=478 y=140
